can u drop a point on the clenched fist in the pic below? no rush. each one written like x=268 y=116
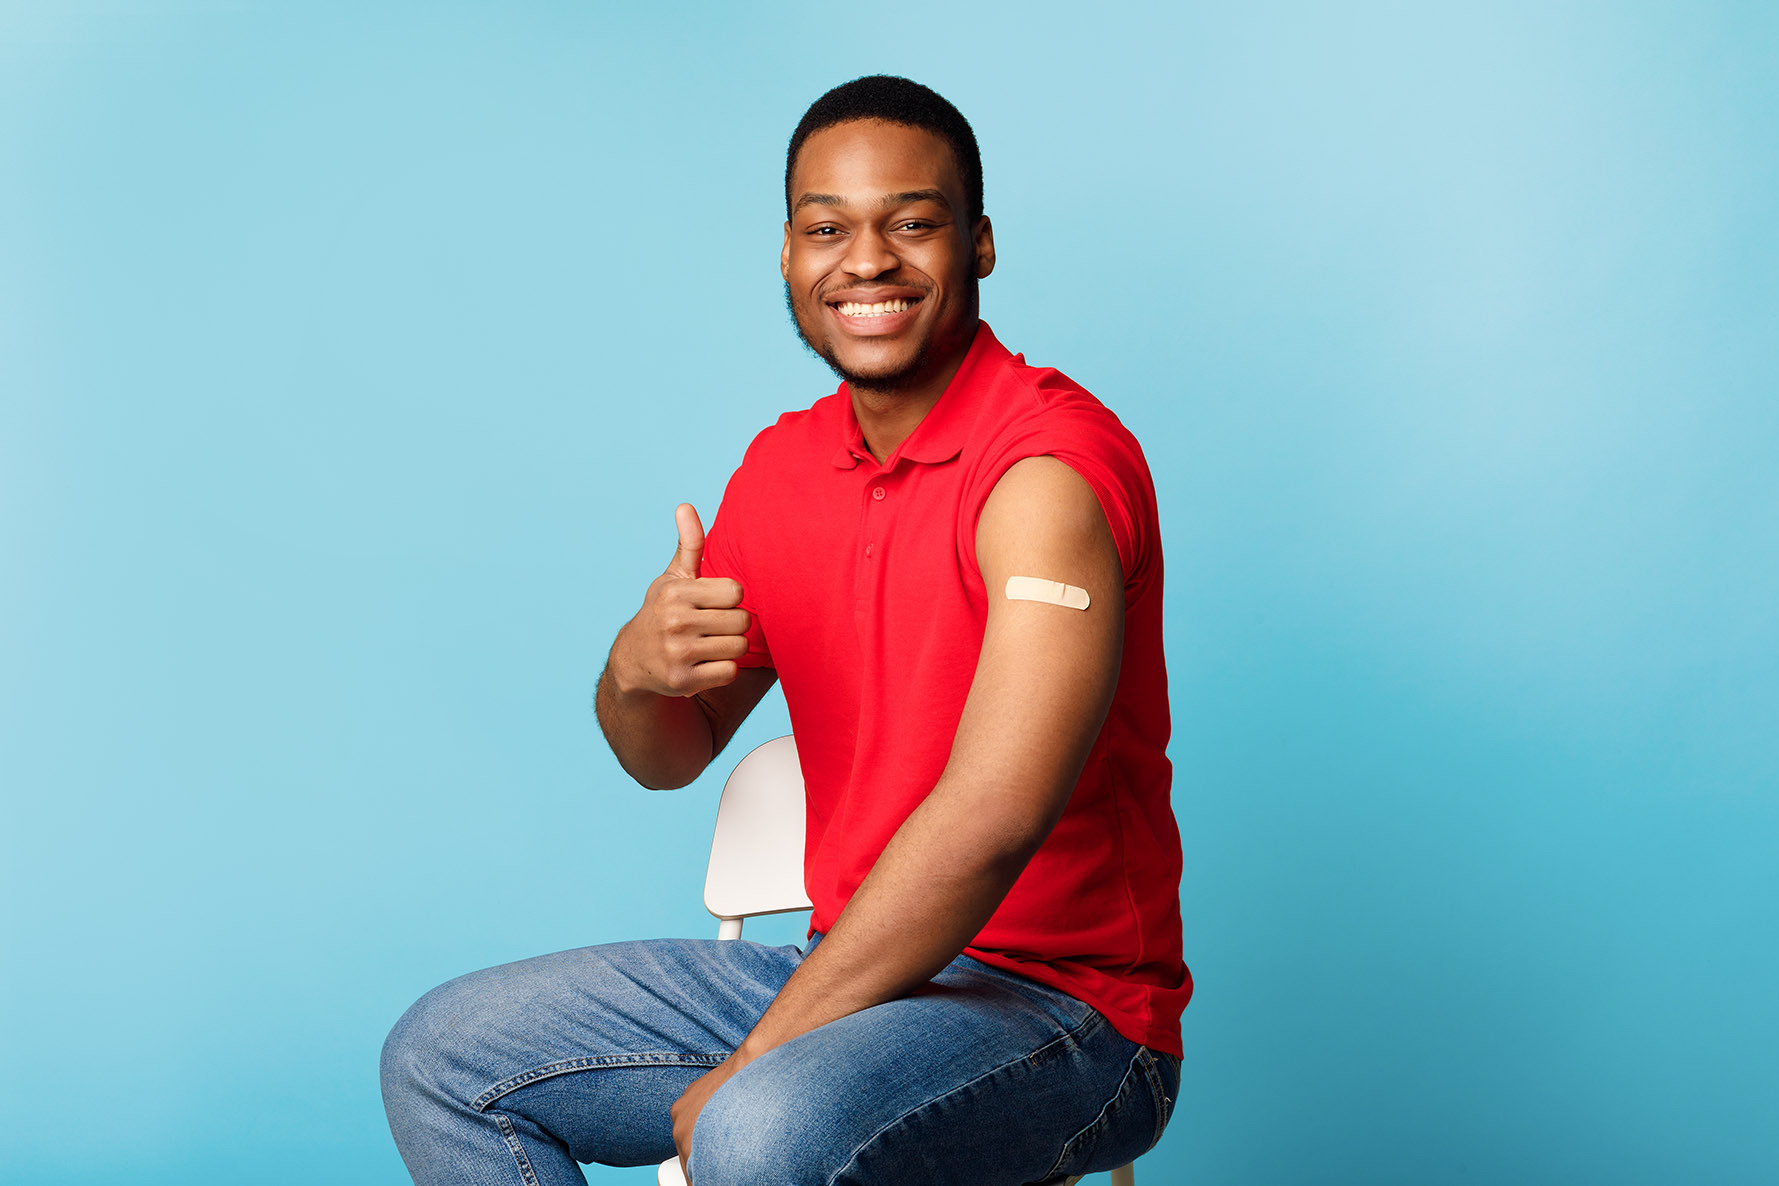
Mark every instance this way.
x=690 y=630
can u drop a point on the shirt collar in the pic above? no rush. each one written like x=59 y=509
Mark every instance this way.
x=940 y=434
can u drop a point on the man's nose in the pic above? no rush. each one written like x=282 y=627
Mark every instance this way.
x=870 y=255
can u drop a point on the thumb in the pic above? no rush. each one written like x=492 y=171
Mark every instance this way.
x=691 y=541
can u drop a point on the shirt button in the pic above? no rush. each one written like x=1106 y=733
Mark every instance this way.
x=867 y=549
x=878 y=494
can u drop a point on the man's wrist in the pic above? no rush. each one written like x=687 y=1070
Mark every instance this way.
x=621 y=674
x=751 y=1048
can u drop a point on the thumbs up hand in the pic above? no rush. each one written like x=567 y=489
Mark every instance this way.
x=689 y=556
x=690 y=630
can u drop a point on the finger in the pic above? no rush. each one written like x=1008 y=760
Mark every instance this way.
x=705 y=676
x=714 y=593
x=690 y=554
x=717 y=622
x=682 y=1146
x=718 y=646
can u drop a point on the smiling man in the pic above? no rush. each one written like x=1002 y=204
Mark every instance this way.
x=952 y=566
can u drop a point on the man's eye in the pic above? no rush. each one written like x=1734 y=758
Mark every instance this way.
x=824 y=230
x=913 y=224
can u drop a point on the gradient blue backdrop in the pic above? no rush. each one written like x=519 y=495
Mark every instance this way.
x=353 y=357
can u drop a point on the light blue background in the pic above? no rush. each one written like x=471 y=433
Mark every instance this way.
x=353 y=357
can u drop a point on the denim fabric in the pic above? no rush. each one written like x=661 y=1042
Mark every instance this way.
x=510 y=1075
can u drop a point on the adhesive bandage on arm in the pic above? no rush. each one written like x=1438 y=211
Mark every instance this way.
x=1051 y=592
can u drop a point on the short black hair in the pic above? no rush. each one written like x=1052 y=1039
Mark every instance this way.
x=898 y=101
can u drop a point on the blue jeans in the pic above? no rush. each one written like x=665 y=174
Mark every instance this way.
x=511 y=1075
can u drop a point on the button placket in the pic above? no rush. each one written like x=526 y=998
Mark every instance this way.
x=866 y=574
x=878 y=494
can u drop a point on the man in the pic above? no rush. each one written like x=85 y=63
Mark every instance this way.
x=953 y=566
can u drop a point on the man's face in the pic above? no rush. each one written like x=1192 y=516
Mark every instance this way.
x=880 y=269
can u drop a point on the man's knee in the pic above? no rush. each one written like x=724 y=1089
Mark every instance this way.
x=764 y=1128
x=416 y=1045
x=442 y=1037
x=472 y=1031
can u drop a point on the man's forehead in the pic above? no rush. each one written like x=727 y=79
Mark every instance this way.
x=870 y=160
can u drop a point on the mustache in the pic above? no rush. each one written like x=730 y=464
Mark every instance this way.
x=925 y=290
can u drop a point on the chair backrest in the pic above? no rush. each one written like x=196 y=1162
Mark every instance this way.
x=756 y=855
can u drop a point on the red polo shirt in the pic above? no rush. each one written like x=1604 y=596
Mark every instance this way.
x=812 y=526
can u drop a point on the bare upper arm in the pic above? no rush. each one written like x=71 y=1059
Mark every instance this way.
x=1047 y=672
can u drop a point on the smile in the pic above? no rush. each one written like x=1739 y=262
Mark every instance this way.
x=880 y=309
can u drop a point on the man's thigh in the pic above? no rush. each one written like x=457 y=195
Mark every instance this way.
x=590 y=1046
x=982 y=1077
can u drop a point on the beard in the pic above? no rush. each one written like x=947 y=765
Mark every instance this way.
x=908 y=375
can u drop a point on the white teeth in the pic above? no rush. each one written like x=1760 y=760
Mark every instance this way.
x=859 y=309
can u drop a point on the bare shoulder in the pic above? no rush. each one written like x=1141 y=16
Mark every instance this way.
x=1042 y=508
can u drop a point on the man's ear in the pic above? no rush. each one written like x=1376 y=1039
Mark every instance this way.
x=784 y=253
x=985 y=247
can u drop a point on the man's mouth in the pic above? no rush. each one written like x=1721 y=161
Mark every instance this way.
x=862 y=309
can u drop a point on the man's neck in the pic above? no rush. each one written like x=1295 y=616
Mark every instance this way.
x=887 y=417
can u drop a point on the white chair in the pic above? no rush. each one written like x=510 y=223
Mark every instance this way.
x=756 y=864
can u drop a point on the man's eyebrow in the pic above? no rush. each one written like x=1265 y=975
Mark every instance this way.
x=915 y=195
x=818 y=200
x=887 y=201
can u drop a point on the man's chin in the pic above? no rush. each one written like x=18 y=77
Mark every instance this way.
x=876 y=375
x=879 y=378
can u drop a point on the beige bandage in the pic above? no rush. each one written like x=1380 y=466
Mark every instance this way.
x=1052 y=592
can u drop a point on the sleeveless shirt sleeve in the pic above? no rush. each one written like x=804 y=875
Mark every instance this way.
x=1096 y=446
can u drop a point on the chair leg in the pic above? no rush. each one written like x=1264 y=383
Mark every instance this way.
x=1124 y=1175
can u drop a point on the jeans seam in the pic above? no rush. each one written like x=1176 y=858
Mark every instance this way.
x=1157 y=1092
x=1086 y=1027
x=511 y=1136
x=594 y=1062
x=1082 y=1030
x=1099 y=1120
